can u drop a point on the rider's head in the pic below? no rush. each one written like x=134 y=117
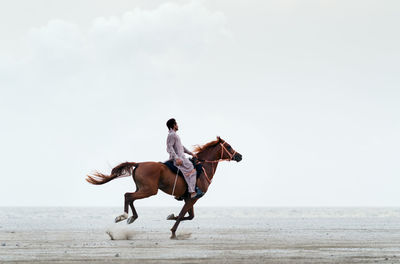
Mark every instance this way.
x=171 y=124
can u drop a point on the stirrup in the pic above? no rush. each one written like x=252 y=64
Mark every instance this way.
x=199 y=193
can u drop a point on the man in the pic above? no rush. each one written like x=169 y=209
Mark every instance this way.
x=177 y=153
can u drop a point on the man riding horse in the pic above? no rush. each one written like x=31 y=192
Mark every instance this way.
x=151 y=176
x=177 y=154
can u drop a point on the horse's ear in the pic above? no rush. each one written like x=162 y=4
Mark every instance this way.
x=219 y=139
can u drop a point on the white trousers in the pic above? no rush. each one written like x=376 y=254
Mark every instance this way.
x=189 y=173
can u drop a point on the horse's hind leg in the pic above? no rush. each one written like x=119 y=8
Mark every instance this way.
x=125 y=214
x=129 y=199
x=126 y=209
x=134 y=214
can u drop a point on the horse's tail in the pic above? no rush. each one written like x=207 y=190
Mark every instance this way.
x=122 y=170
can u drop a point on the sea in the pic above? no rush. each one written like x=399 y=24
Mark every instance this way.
x=154 y=218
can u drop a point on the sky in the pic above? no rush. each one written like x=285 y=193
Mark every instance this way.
x=307 y=91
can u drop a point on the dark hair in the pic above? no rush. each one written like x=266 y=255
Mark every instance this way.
x=171 y=123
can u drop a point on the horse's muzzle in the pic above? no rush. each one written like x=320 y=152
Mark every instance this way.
x=237 y=157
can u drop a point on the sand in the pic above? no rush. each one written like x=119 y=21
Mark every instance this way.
x=303 y=238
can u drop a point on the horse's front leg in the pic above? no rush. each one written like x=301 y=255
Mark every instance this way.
x=189 y=217
x=188 y=205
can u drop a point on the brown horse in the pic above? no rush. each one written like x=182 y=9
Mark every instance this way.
x=151 y=176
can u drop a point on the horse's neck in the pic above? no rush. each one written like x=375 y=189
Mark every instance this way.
x=210 y=167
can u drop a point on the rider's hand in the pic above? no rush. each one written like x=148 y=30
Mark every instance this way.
x=194 y=155
x=178 y=162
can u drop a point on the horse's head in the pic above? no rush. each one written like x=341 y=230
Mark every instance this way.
x=227 y=152
x=216 y=151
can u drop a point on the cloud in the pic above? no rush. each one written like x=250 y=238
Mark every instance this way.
x=65 y=63
x=165 y=40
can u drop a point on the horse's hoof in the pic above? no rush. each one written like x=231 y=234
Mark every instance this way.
x=131 y=220
x=121 y=217
x=171 y=217
x=173 y=236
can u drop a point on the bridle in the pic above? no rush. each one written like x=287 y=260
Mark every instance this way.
x=223 y=150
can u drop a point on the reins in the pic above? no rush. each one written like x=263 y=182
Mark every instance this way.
x=205 y=174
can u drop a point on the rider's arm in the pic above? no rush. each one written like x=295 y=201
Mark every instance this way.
x=187 y=151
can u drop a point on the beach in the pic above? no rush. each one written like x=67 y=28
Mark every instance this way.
x=215 y=235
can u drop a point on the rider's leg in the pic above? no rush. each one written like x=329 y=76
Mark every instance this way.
x=191 y=181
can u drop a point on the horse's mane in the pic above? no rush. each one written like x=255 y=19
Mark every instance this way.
x=198 y=148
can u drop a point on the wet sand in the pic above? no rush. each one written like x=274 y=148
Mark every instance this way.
x=273 y=240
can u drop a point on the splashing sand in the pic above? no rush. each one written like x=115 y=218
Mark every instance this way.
x=120 y=233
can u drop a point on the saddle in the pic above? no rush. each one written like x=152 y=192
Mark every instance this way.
x=196 y=164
